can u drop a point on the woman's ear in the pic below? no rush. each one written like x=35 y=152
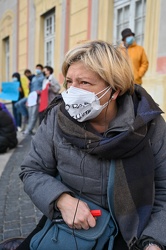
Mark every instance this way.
x=115 y=95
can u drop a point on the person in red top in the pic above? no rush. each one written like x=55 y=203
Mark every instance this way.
x=50 y=88
x=137 y=55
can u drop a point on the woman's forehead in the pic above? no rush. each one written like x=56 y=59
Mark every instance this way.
x=79 y=68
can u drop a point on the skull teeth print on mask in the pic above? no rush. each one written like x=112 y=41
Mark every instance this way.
x=83 y=105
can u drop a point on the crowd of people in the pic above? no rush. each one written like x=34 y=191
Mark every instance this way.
x=26 y=109
x=33 y=99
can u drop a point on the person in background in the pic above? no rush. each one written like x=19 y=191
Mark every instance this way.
x=137 y=55
x=50 y=88
x=102 y=125
x=29 y=75
x=17 y=115
x=33 y=99
x=8 y=135
x=21 y=104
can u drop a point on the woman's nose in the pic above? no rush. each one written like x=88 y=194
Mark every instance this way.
x=75 y=84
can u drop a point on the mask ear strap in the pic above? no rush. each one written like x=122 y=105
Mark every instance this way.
x=107 y=89
x=111 y=97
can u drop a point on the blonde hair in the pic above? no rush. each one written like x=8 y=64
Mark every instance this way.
x=110 y=62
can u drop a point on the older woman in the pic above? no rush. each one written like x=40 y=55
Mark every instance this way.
x=101 y=124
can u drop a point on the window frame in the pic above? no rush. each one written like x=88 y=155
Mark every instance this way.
x=7 y=58
x=142 y=17
x=49 y=38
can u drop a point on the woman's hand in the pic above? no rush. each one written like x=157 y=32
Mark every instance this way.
x=68 y=208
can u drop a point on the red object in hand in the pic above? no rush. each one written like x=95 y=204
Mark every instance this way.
x=96 y=213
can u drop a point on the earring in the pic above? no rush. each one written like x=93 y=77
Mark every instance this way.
x=112 y=97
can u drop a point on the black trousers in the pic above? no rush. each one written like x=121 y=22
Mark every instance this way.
x=119 y=243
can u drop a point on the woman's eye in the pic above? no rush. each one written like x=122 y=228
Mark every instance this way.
x=83 y=82
x=68 y=81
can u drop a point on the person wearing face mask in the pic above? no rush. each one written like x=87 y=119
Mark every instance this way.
x=33 y=99
x=101 y=144
x=30 y=76
x=50 y=88
x=137 y=55
x=17 y=116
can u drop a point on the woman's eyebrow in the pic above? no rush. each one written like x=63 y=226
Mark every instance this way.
x=85 y=78
x=79 y=78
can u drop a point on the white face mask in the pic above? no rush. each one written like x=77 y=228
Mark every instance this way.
x=15 y=79
x=83 y=105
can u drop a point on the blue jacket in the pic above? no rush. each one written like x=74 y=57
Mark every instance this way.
x=36 y=83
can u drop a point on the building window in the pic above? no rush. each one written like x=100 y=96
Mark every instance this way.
x=129 y=14
x=139 y=22
x=7 y=59
x=122 y=20
x=49 y=38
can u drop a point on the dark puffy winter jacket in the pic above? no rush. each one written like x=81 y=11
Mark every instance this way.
x=8 y=136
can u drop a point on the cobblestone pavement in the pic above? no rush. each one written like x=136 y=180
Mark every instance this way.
x=18 y=215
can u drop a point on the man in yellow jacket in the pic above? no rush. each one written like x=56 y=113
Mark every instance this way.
x=137 y=55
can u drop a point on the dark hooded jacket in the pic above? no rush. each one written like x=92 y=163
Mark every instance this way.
x=8 y=136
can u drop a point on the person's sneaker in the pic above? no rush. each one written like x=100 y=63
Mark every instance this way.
x=11 y=244
x=25 y=132
x=19 y=129
x=24 y=123
x=28 y=133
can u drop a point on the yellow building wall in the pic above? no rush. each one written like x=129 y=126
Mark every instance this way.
x=78 y=26
x=6 y=30
x=105 y=20
x=22 y=35
x=153 y=82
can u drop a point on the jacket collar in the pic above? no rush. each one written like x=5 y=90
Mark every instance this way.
x=132 y=45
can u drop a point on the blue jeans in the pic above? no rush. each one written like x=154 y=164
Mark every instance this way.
x=21 y=107
x=16 y=114
x=33 y=115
